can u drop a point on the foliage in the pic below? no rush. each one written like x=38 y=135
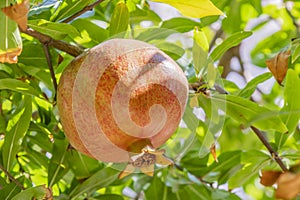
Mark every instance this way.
x=216 y=152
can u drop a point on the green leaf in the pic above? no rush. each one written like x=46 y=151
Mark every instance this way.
x=9 y=191
x=68 y=8
x=154 y=34
x=249 y=113
x=109 y=197
x=40 y=74
x=193 y=191
x=33 y=55
x=201 y=39
x=193 y=163
x=100 y=179
x=228 y=164
x=4 y=74
x=193 y=8
x=173 y=50
x=18 y=86
x=58 y=165
x=296 y=53
x=42 y=139
x=10 y=40
x=180 y=24
x=231 y=41
x=37 y=159
x=144 y=14
x=291 y=109
x=248 y=90
x=200 y=51
x=43 y=11
x=253 y=161
x=91 y=34
x=223 y=195
x=38 y=192
x=14 y=137
x=295 y=49
x=189 y=118
x=257 y=5
x=230 y=86
x=211 y=75
x=120 y=19
x=82 y=165
x=3 y=182
x=157 y=189
x=55 y=30
x=265 y=49
x=233 y=22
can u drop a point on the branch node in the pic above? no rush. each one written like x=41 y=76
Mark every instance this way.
x=273 y=153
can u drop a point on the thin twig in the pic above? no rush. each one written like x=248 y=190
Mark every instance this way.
x=85 y=9
x=270 y=148
x=220 y=89
x=49 y=62
x=58 y=44
x=216 y=36
x=12 y=178
x=261 y=137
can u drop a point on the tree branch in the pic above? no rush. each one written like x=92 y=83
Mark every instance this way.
x=225 y=60
x=49 y=62
x=269 y=147
x=274 y=154
x=216 y=36
x=85 y=9
x=12 y=178
x=58 y=44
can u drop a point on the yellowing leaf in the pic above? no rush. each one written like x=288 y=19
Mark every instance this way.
x=148 y=170
x=10 y=56
x=193 y=8
x=279 y=65
x=162 y=160
x=194 y=101
x=201 y=39
x=10 y=39
x=213 y=152
x=128 y=170
x=119 y=19
x=18 y=13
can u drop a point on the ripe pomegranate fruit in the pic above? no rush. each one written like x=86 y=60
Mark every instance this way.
x=120 y=101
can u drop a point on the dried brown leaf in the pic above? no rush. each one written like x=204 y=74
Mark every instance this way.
x=279 y=65
x=214 y=152
x=288 y=186
x=128 y=170
x=268 y=178
x=10 y=56
x=148 y=170
x=18 y=13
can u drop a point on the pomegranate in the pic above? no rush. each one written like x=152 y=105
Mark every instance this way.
x=120 y=101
